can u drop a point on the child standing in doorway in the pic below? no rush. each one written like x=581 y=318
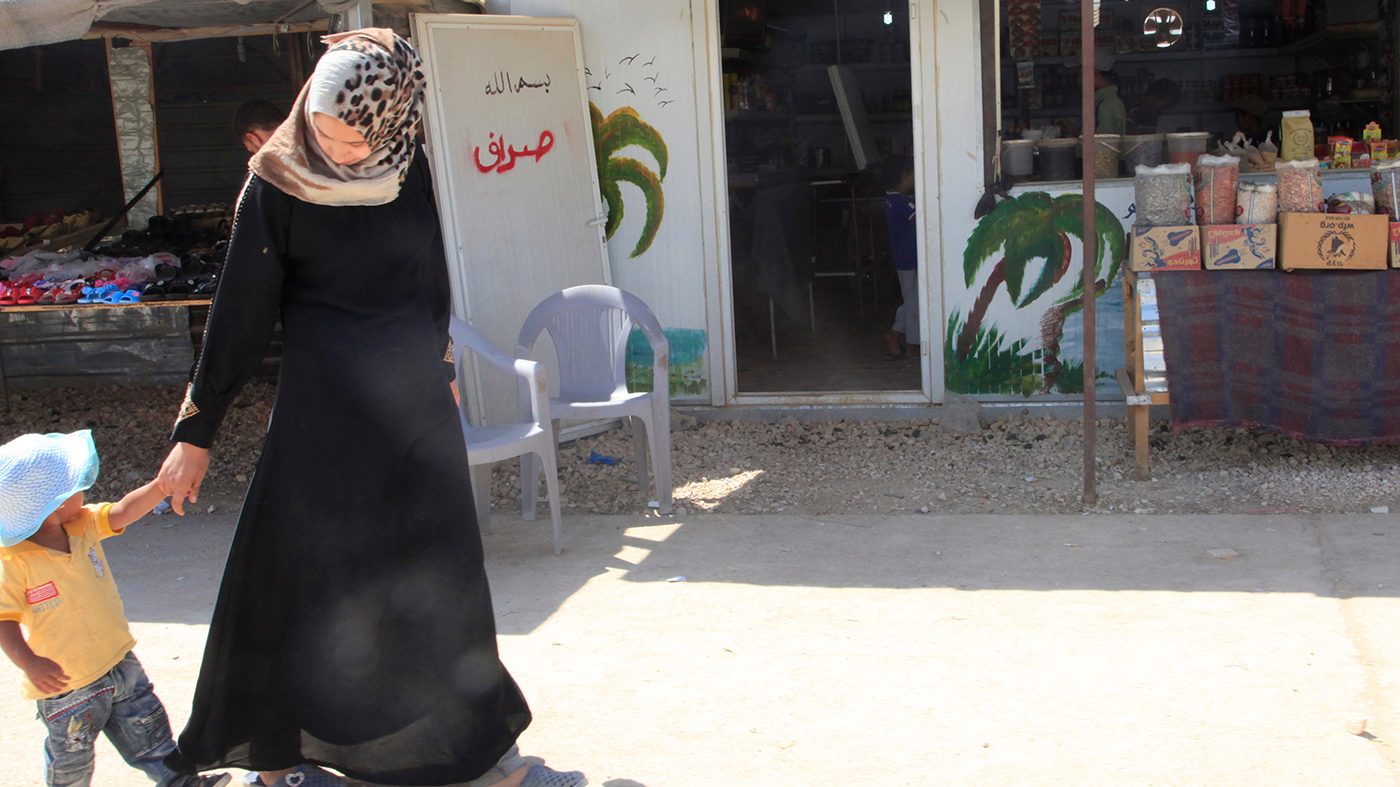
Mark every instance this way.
x=55 y=582
x=899 y=215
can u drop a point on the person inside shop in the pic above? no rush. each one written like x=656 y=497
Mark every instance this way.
x=1110 y=115
x=1155 y=103
x=353 y=627
x=255 y=121
x=1251 y=113
x=899 y=215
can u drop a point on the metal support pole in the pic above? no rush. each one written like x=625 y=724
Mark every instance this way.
x=359 y=15
x=1086 y=79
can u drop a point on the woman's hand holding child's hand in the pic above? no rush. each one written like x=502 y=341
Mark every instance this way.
x=182 y=474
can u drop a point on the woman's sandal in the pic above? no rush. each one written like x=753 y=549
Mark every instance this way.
x=155 y=291
x=68 y=292
x=204 y=285
x=178 y=290
x=308 y=776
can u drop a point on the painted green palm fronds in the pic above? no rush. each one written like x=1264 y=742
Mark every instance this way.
x=622 y=129
x=1017 y=228
x=628 y=170
x=625 y=127
x=1112 y=242
x=612 y=195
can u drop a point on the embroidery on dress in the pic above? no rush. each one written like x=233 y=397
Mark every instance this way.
x=97 y=563
x=449 y=357
x=187 y=408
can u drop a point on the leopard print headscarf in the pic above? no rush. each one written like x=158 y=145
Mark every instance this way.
x=372 y=81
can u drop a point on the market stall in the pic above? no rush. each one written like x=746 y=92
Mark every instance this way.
x=1266 y=300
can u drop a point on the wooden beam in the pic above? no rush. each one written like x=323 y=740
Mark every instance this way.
x=148 y=34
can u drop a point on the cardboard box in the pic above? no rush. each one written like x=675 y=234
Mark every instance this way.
x=1395 y=244
x=1166 y=249
x=1332 y=241
x=1238 y=247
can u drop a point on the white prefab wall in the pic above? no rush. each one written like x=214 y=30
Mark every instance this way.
x=640 y=59
x=513 y=157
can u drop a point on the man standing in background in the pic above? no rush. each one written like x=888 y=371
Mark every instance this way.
x=255 y=121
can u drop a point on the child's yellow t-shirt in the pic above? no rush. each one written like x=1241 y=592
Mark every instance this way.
x=68 y=603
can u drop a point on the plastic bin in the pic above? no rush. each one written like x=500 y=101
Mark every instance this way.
x=1148 y=150
x=1059 y=159
x=1186 y=147
x=1106 y=152
x=1018 y=157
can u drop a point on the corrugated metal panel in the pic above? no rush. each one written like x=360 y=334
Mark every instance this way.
x=199 y=86
x=58 y=139
x=136 y=345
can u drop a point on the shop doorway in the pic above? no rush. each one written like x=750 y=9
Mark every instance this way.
x=818 y=130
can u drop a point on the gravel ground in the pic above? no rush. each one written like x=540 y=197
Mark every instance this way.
x=1014 y=466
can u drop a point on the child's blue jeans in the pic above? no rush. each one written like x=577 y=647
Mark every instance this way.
x=123 y=706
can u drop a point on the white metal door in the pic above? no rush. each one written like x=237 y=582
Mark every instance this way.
x=516 y=176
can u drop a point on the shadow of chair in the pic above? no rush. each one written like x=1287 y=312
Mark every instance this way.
x=489 y=444
x=590 y=326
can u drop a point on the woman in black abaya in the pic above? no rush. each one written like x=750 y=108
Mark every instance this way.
x=354 y=626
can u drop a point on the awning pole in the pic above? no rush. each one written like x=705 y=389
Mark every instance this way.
x=358 y=15
x=1090 y=245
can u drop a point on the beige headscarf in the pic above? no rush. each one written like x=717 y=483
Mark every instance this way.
x=372 y=81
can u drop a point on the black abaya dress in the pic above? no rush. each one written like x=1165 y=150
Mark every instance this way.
x=354 y=626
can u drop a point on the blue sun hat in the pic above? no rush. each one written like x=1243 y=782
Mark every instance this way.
x=37 y=473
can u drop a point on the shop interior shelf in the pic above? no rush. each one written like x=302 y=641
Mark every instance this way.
x=875 y=117
x=755 y=116
x=902 y=65
x=1167 y=55
x=1319 y=40
x=1180 y=109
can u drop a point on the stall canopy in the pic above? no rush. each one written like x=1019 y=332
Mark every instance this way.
x=25 y=23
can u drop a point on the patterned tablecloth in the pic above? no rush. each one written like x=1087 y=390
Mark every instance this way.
x=1313 y=355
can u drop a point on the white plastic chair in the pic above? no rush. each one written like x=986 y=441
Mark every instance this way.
x=487 y=445
x=589 y=326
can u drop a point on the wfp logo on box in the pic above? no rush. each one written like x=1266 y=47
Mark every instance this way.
x=1336 y=247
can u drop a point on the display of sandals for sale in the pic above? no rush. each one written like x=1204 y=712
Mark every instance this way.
x=178 y=257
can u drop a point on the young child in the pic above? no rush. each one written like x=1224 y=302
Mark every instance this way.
x=55 y=581
x=899 y=215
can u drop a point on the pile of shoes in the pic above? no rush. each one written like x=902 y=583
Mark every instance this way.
x=170 y=260
x=31 y=289
x=45 y=278
x=43 y=226
x=196 y=276
x=164 y=233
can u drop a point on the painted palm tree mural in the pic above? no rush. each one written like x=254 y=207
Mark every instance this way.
x=1031 y=228
x=619 y=130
